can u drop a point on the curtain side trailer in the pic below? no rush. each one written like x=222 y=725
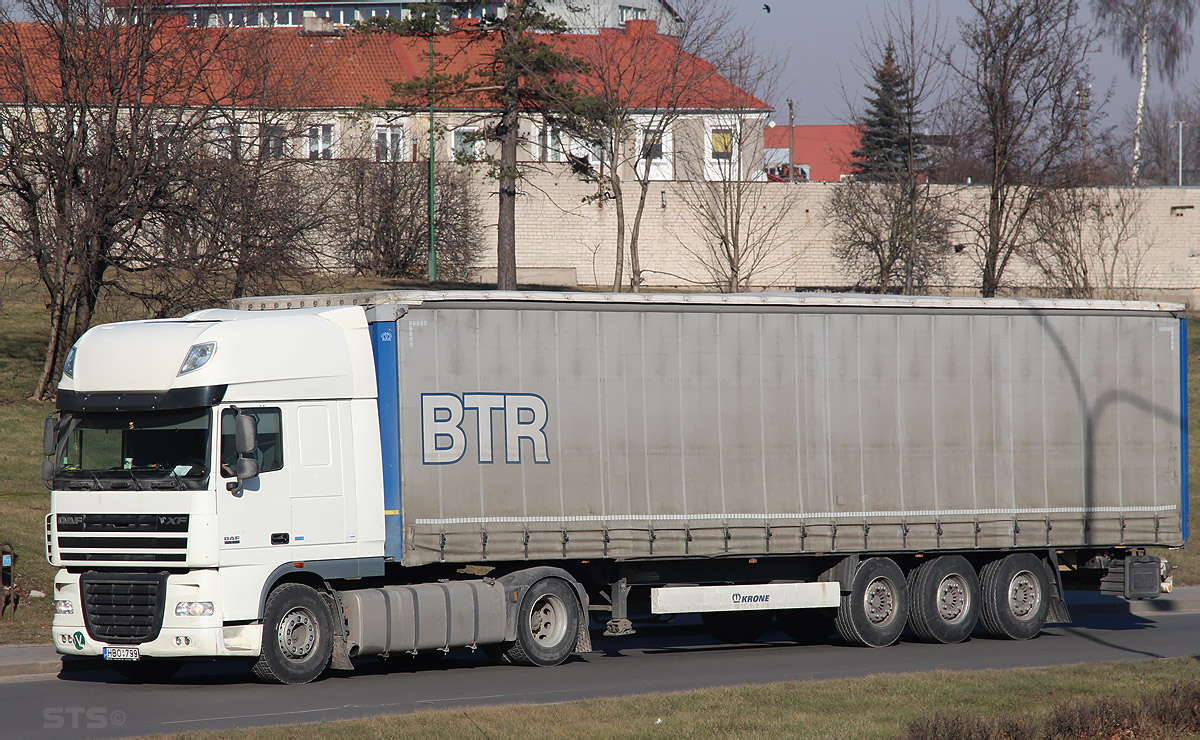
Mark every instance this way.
x=419 y=470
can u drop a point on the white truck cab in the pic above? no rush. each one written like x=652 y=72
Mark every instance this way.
x=164 y=551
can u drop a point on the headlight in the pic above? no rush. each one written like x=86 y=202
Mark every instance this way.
x=194 y=609
x=69 y=365
x=63 y=606
x=197 y=357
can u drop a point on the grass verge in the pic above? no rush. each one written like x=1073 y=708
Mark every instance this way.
x=884 y=706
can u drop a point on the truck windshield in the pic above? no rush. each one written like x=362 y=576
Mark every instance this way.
x=144 y=450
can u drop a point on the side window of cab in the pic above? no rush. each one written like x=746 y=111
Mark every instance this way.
x=270 y=440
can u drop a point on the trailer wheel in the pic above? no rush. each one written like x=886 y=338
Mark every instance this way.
x=737 y=627
x=1016 y=596
x=943 y=599
x=297 y=636
x=547 y=624
x=873 y=614
x=807 y=625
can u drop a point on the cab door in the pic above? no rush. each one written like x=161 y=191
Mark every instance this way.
x=258 y=516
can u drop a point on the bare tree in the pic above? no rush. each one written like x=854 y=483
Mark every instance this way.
x=1140 y=27
x=875 y=226
x=387 y=229
x=1162 y=139
x=741 y=225
x=1089 y=242
x=96 y=131
x=1020 y=65
x=639 y=84
x=890 y=230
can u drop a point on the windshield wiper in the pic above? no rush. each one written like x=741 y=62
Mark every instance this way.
x=136 y=484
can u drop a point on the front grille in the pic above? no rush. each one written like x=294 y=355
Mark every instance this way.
x=123 y=608
x=122 y=538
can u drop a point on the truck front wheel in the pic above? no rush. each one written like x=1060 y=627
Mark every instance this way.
x=875 y=611
x=297 y=636
x=1016 y=596
x=547 y=624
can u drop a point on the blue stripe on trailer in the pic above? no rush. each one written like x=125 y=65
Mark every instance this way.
x=383 y=346
x=1183 y=422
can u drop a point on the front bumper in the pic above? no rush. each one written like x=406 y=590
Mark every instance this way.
x=179 y=637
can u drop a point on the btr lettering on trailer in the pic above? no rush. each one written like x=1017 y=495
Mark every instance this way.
x=444 y=440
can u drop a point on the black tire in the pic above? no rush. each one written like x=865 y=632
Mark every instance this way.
x=807 y=625
x=147 y=670
x=943 y=599
x=737 y=627
x=547 y=624
x=875 y=611
x=1015 y=596
x=297 y=636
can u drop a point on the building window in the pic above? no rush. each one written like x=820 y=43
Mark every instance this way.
x=630 y=13
x=722 y=143
x=320 y=141
x=551 y=145
x=270 y=142
x=168 y=140
x=389 y=143
x=467 y=144
x=225 y=142
x=652 y=146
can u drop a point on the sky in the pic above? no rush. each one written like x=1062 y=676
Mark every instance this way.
x=821 y=40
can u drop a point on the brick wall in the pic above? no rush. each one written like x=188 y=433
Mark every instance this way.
x=566 y=235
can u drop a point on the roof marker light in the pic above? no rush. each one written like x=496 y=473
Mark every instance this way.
x=197 y=357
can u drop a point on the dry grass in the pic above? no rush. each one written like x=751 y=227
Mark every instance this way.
x=1068 y=698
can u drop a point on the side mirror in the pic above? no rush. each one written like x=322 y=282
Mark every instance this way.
x=245 y=430
x=50 y=436
x=247 y=467
x=47 y=470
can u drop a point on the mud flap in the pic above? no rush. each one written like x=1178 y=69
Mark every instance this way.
x=1057 y=612
x=340 y=660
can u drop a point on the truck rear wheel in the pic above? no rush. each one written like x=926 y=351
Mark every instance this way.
x=1016 y=596
x=873 y=614
x=297 y=636
x=943 y=599
x=737 y=627
x=547 y=624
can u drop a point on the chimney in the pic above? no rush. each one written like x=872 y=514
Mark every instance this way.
x=318 y=26
x=641 y=28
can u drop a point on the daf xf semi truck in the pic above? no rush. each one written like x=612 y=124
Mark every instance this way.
x=299 y=481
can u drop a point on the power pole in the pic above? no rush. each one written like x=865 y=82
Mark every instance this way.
x=791 y=142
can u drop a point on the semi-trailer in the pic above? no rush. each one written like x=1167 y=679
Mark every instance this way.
x=298 y=481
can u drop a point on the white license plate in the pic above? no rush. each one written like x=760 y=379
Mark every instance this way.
x=121 y=653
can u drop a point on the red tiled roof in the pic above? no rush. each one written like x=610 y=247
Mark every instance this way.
x=285 y=68
x=826 y=149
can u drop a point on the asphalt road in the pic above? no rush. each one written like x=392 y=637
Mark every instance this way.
x=668 y=657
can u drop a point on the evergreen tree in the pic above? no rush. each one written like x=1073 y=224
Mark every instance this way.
x=892 y=150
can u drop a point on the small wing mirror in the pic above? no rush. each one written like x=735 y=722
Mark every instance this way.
x=247 y=467
x=50 y=436
x=245 y=429
x=47 y=470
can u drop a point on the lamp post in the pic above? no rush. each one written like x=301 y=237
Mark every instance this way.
x=1179 y=172
x=432 y=238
